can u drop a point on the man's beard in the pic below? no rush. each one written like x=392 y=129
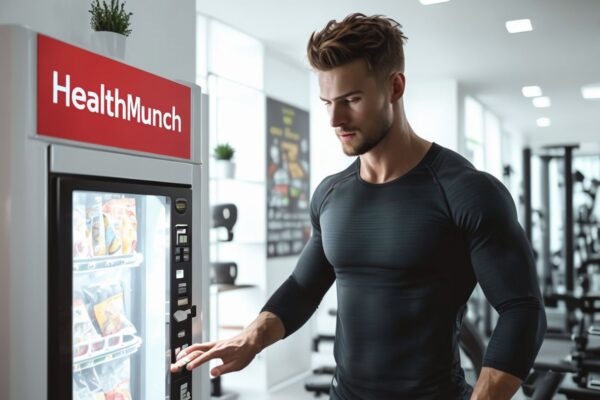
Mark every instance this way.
x=367 y=144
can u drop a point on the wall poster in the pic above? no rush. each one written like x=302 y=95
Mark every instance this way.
x=288 y=179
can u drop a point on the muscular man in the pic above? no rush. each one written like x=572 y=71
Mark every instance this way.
x=405 y=232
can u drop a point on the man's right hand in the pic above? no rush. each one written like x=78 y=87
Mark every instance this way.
x=236 y=353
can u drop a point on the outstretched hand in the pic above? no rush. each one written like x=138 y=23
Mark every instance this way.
x=236 y=353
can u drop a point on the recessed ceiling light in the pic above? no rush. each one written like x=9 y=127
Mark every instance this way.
x=430 y=2
x=531 y=91
x=591 y=91
x=541 y=102
x=519 y=25
x=543 y=122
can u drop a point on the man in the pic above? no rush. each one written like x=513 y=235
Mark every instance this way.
x=405 y=232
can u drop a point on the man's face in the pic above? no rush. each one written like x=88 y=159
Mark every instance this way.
x=357 y=106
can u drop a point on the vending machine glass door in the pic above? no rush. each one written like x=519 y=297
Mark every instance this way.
x=119 y=271
x=121 y=247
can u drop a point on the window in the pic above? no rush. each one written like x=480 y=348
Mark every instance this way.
x=493 y=145
x=201 y=51
x=235 y=55
x=474 y=132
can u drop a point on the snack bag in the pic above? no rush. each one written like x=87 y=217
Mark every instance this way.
x=84 y=331
x=112 y=235
x=130 y=225
x=96 y=221
x=114 y=377
x=123 y=214
x=86 y=386
x=109 y=309
x=82 y=236
x=119 y=392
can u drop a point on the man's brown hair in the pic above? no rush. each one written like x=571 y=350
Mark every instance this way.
x=376 y=39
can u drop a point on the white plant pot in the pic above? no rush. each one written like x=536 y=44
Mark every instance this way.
x=107 y=43
x=225 y=169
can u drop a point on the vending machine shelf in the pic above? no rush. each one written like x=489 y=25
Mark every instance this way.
x=84 y=265
x=107 y=349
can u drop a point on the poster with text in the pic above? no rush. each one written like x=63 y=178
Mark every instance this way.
x=288 y=178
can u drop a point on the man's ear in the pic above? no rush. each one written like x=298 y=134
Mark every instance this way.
x=398 y=82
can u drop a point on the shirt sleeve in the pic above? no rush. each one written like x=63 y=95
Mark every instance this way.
x=299 y=296
x=504 y=266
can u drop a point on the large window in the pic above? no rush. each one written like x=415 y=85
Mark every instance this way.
x=493 y=145
x=474 y=132
x=235 y=55
x=230 y=70
x=483 y=138
x=237 y=117
x=201 y=51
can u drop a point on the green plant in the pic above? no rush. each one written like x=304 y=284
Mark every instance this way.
x=111 y=17
x=223 y=152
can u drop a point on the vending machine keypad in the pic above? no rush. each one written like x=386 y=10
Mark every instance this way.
x=182 y=244
x=181 y=305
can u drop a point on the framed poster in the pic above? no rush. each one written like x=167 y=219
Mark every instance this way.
x=288 y=179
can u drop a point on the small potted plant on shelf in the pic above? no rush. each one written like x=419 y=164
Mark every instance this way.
x=111 y=25
x=223 y=154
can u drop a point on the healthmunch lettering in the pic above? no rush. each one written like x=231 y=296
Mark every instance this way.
x=113 y=104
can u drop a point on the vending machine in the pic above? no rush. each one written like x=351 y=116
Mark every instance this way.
x=103 y=232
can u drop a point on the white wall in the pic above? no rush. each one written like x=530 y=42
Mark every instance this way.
x=433 y=111
x=162 y=39
x=286 y=81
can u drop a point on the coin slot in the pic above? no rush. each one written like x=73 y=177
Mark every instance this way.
x=183 y=301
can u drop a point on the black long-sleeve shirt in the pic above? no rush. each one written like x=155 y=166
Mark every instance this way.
x=405 y=256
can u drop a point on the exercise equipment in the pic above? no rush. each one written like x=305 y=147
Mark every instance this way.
x=225 y=216
x=572 y=271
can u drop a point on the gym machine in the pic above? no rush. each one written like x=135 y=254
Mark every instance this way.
x=579 y=258
x=578 y=375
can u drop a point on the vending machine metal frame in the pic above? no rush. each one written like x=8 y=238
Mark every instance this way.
x=28 y=161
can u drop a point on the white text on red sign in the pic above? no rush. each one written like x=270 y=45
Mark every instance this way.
x=110 y=103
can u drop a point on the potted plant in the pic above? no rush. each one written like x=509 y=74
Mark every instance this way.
x=111 y=25
x=223 y=154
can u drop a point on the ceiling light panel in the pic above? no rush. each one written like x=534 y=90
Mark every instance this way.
x=591 y=91
x=541 y=102
x=430 y=2
x=531 y=91
x=543 y=122
x=519 y=25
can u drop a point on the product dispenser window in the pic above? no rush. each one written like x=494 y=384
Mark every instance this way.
x=121 y=246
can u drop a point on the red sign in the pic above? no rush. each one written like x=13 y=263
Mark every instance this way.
x=89 y=98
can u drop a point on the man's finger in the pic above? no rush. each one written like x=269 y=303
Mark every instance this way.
x=195 y=347
x=224 y=369
x=204 y=357
x=175 y=368
x=183 y=361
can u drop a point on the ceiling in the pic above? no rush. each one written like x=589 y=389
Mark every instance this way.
x=465 y=40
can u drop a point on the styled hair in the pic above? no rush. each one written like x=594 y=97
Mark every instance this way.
x=377 y=40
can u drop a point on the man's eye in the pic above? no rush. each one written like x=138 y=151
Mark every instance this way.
x=353 y=99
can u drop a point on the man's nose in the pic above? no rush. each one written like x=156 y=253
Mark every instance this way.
x=337 y=115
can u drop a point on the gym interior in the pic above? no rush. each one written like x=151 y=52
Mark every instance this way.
x=519 y=103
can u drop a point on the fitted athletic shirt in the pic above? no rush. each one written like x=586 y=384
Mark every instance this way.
x=405 y=256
